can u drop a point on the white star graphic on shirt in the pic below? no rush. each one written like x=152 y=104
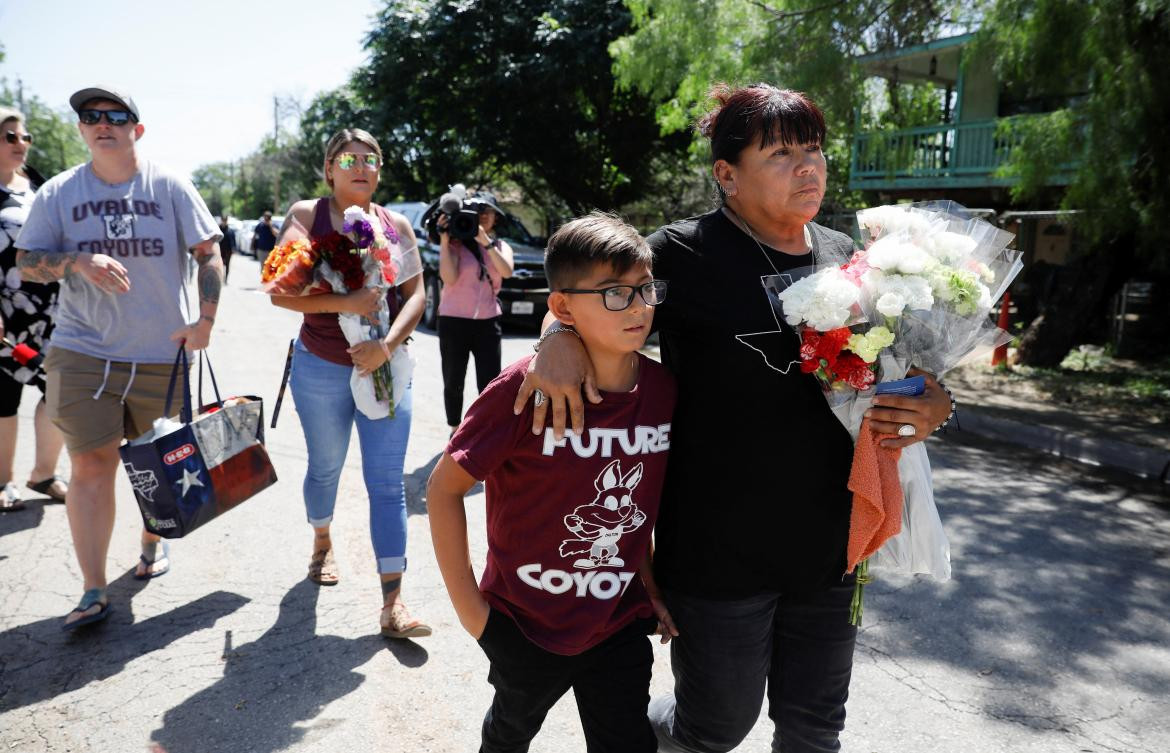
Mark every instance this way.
x=190 y=479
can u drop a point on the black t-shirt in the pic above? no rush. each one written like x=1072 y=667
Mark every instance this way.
x=265 y=236
x=755 y=497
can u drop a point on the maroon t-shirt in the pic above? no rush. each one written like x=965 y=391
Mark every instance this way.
x=320 y=333
x=569 y=522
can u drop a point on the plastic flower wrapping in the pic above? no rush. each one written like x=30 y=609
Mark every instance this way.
x=364 y=255
x=918 y=294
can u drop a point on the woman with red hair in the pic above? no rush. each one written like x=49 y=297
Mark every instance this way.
x=751 y=538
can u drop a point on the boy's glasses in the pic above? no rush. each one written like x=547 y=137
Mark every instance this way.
x=349 y=160
x=12 y=137
x=619 y=297
x=113 y=117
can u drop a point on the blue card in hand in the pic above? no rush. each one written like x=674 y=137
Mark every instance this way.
x=908 y=387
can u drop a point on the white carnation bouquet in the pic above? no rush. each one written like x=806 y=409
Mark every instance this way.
x=918 y=294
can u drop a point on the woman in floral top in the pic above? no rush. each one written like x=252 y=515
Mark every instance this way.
x=25 y=320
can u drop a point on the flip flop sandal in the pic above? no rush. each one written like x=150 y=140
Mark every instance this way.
x=88 y=600
x=46 y=487
x=10 y=500
x=402 y=625
x=323 y=568
x=166 y=555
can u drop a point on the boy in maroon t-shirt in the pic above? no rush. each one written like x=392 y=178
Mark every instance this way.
x=567 y=596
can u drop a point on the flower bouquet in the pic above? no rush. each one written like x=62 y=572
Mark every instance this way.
x=918 y=294
x=365 y=254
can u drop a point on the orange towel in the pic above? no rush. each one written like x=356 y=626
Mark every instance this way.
x=877 y=495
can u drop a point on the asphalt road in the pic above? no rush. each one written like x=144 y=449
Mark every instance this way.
x=1053 y=636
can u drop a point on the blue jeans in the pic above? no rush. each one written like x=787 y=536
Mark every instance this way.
x=321 y=392
x=725 y=653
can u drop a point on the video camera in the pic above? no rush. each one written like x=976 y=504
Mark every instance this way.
x=462 y=215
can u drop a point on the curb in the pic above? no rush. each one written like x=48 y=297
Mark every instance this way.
x=1139 y=460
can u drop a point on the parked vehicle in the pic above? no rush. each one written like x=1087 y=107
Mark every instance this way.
x=523 y=296
x=244 y=237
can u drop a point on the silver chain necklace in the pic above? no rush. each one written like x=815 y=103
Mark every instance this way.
x=737 y=219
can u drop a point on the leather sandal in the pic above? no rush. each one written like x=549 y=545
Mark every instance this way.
x=397 y=622
x=323 y=568
x=45 y=487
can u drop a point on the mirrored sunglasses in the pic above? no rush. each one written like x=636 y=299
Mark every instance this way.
x=349 y=160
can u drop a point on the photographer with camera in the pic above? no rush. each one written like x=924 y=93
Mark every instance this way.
x=472 y=264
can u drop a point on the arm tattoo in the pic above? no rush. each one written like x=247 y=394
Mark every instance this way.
x=210 y=273
x=45 y=266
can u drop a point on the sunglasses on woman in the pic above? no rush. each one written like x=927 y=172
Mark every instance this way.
x=113 y=117
x=619 y=297
x=349 y=160
x=12 y=137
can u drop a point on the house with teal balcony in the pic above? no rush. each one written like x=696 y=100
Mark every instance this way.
x=957 y=157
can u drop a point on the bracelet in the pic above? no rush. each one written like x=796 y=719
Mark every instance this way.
x=385 y=348
x=206 y=318
x=556 y=329
x=954 y=407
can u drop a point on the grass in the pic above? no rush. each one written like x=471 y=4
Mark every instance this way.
x=1092 y=381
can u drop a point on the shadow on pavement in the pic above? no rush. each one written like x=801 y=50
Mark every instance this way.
x=416 y=487
x=22 y=520
x=1058 y=576
x=284 y=677
x=38 y=661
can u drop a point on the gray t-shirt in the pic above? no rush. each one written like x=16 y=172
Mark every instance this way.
x=148 y=224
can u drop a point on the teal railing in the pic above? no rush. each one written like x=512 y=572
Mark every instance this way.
x=949 y=154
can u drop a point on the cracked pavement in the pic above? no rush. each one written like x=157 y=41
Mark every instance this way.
x=1052 y=637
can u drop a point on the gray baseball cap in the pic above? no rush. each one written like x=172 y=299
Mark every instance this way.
x=79 y=98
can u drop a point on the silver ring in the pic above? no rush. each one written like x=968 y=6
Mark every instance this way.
x=906 y=430
x=538 y=398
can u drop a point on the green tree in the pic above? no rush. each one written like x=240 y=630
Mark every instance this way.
x=1105 y=61
x=679 y=48
x=520 y=91
x=57 y=144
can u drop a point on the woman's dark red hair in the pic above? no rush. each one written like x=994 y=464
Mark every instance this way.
x=759 y=111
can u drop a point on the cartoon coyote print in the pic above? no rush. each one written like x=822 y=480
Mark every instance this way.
x=599 y=524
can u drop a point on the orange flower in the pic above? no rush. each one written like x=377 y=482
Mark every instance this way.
x=289 y=267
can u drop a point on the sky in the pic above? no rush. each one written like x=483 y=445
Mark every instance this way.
x=202 y=73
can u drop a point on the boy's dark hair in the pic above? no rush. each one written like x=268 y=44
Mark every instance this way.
x=579 y=245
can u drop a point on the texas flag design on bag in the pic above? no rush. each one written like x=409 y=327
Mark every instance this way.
x=200 y=470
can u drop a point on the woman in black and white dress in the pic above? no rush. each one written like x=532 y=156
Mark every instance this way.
x=25 y=320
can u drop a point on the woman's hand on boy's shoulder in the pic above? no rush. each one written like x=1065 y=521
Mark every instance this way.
x=561 y=371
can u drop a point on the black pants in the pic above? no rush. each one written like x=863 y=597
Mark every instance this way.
x=611 y=682
x=800 y=648
x=459 y=338
x=11 y=389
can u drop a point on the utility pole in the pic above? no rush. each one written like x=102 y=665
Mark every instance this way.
x=276 y=144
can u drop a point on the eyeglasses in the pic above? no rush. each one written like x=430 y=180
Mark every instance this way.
x=113 y=117
x=12 y=137
x=349 y=160
x=619 y=297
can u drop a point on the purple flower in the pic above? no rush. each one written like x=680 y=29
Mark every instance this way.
x=363 y=232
